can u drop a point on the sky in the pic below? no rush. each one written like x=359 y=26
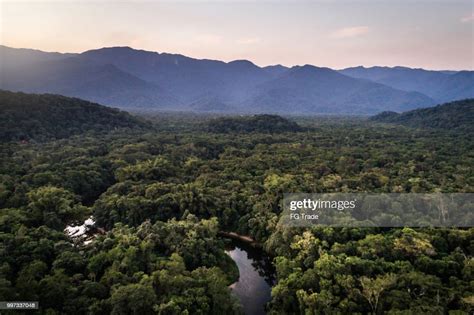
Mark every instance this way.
x=331 y=33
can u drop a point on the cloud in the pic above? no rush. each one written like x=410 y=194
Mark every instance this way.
x=248 y=41
x=348 y=32
x=468 y=18
x=208 y=39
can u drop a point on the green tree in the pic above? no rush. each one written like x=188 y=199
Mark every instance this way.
x=373 y=288
x=54 y=207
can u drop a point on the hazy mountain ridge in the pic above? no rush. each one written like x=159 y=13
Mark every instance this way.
x=442 y=86
x=14 y=57
x=186 y=78
x=129 y=78
x=310 y=89
x=76 y=77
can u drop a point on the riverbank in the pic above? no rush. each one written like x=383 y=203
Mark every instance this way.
x=243 y=238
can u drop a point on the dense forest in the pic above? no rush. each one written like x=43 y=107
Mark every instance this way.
x=46 y=116
x=161 y=193
x=454 y=115
x=255 y=123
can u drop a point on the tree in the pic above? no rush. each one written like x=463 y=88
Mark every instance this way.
x=54 y=207
x=372 y=289
x=136 y=299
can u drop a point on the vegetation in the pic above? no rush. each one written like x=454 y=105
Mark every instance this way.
x=457 y=115
x=256 y=123
x=161 y=197
x=45 y=116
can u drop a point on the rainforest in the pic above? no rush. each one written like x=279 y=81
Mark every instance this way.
x=164 y=190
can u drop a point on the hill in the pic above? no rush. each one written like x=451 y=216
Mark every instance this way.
x=46 y=116
x=256 y=123
x=455 y=115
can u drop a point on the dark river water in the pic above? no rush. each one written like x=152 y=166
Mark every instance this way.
x=256 y=277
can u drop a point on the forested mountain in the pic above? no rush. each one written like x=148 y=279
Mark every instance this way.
x=129 y=78
x=256 y=123
x=46 y=116
x=442 y=86
x=454 y=115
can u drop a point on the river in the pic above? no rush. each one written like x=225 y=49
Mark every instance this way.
x=257 y=275
x=256 y=272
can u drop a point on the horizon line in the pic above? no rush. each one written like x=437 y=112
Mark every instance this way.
x=234 y=60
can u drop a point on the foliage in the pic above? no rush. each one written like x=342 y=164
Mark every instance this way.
x=457 y=115
x=46 y=116
x=161 y=198
x=256 y=123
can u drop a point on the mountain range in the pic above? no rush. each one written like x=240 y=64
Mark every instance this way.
x=142 y=80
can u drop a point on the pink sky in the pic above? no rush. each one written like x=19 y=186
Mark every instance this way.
x=427 y=34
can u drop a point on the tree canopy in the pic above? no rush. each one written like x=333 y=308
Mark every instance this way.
x=45 y=116
x=458 y=115
x=160 y=197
